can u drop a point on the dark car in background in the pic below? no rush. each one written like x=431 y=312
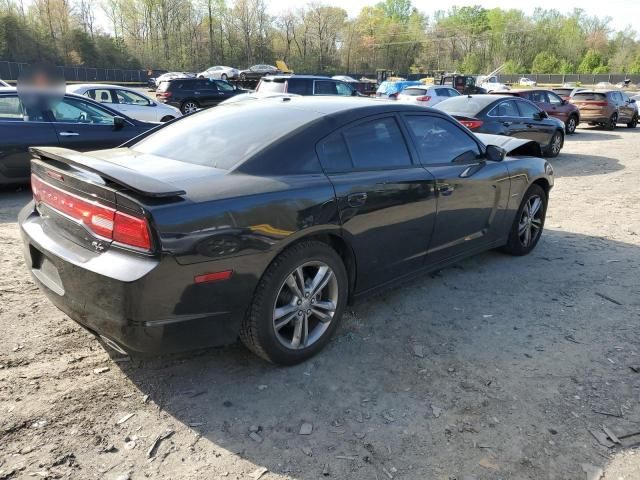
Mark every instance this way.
x=606 y=108
x=256 y=72
x=507 y=115
x=74 y=122
x=306 y=85
x=199 y=233
x=191 y=94
x=551 y=103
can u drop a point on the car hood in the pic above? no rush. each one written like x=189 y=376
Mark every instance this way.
x=513 y=146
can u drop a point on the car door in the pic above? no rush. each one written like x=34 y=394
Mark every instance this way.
x=472 y=192
x=206 y=92
x=626 y=107
x=385 y=197
x=536 y=128
x=20 y=128
x=440 y=94
x=557 y=107
x=505 y=119
x=224 y=90
x=136 y=106
x=81 y=125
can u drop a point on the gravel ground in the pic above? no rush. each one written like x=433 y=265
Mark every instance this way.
x=496 y=368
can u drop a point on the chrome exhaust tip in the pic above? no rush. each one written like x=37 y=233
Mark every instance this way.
x=110 y=343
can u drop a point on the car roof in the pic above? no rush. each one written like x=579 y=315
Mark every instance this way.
x=79 y=86
x=279 y=77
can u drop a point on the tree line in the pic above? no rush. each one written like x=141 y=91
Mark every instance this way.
x=315 y=38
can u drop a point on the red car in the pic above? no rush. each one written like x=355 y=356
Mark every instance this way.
x=551 y=103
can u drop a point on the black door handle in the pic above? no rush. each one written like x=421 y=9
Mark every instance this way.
x=357 y=199
x=507 y=124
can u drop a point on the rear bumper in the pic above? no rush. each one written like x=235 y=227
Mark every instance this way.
x=144 y=304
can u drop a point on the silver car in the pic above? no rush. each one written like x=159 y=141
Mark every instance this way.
x=427 y=95
x=220 y=72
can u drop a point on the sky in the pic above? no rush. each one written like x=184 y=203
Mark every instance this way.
x=622 y=12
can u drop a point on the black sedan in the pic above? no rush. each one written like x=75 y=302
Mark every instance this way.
x=506 y=115
x=197 y=233
x=256 y=72
x=73 y=122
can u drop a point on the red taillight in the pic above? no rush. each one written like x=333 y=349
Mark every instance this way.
x=213 y=277
x=597 y=104
x=104 y=221
x=163 y=95
x=423 y=98
x=130 y=230
x=471 y=124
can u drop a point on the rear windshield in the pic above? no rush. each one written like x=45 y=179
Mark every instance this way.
x=563 y=91
x=225 y=136
x=585 y=97
x=414 y=92
x=465 y=105
x=271 y=85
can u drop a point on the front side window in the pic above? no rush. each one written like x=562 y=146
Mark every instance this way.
x=554 y=99
x=224 y=86
x=344 y=89
x=377 y=144
x=440 y=141
x=70 y=110
x=127 y=97
x=442 y=92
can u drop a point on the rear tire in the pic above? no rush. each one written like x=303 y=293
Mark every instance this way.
x=518 y=243
x=572 y=124
x=633 y=123
x=613 y=121
x=285 y=327
x=223 y=76
x=190 y=106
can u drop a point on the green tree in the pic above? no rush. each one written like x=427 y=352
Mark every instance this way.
x=545 y=62
x=590 y=62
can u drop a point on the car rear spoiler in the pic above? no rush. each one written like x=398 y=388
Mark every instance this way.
x=513 y=146
x=126 y=177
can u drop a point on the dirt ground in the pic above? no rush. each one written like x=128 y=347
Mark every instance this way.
x=496 y=368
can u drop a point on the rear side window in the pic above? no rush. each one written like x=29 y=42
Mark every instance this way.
x=505 y=109
x=377 y=144
x=322 y=87
x=442 y=92
x=334 y=155
x=414 y=92
x=440 y=141
x=299 y=86
x=100 y=95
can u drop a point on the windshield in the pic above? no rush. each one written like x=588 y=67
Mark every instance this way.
x=219 y=137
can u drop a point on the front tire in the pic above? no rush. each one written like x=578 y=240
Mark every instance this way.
x=572 y=124
x=557 y=141
x=633 y=123
x=529 y=222
x=297 y=305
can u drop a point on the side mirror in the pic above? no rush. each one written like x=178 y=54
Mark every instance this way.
x=632 y=100
x=564 y=101
x=540 y=115
x=495 y=153
x=119 y=123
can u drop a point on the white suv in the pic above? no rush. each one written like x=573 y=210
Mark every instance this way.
x=428 y=95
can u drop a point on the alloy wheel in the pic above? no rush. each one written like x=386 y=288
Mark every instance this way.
x=613 y=121
x=530 y=225
x=189 y=107
x=571 y=125
x=556 y=144
x=305 y=305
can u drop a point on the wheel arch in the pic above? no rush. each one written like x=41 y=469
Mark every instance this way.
x=544 y=184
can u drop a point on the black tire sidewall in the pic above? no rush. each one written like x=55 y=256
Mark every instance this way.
x=270 y=284
x=184 y=104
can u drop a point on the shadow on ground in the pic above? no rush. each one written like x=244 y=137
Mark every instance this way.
x=492 y=368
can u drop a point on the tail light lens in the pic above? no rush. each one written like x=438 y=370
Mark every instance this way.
x=163 y=95
x=471 y=124
x=423 y=98
x=597 y=104
x=103 y=221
